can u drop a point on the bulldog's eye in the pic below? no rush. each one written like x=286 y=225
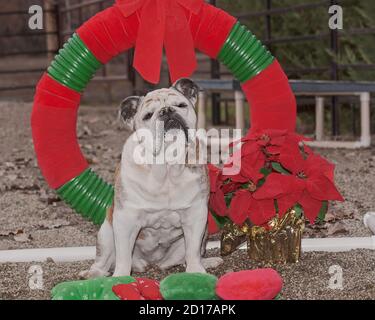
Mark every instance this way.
x=182 y=105
x=148 y=116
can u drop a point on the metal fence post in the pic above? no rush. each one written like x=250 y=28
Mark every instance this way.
x=268 y=22
x=334 y=43
x=202 y=99
x=51 y=29
x=215 y=74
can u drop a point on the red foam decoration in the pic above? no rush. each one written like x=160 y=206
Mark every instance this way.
x=210 y=29
x=163 y=24
x=272 y=102
x=150 y=289
x=67 y=98
x=128 y=291
x=53 y=122
x=109 y=33
x=143 y=289
x=260 y=284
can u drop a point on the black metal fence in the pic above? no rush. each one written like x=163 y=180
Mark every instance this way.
x=69 y=14
x=16 y=54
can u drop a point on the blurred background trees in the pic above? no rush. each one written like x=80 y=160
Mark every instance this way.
x=354 y=49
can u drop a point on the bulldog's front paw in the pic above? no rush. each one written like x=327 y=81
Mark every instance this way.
x=92 y=273
x=195 y=268
x=119 y=272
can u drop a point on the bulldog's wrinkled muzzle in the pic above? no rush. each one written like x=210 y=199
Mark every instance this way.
x=172 y=120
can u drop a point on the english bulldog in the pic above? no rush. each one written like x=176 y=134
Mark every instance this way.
x=160 y=208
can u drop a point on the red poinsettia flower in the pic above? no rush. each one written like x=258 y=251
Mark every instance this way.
x=307 y=180
x=240 y=171
x=214 y=175
x=258 y=148
x=217 y=202
x=310 y=183
x=271 y=141
x=223 y=186
x=244 y=206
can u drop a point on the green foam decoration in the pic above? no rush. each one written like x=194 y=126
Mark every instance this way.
x=75 y=65
x=94 y=289
x=243 y=54
x=189 y=286
x=88 y=195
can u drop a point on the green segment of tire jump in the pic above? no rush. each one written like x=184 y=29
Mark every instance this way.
x=243 y=54
x=89 y=195
x=75 y=65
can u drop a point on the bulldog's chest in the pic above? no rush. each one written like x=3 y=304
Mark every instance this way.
x=163 y=193
x=162 y=220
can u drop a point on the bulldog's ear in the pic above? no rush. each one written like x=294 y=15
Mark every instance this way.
x=128 y=110
x=188 y=88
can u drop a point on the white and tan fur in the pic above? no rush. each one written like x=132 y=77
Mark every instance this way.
x=160 y=210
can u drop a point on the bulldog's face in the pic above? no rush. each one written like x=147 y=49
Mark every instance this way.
x=162 y=111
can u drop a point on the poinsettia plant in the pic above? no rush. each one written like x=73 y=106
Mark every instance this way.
x=277 y=172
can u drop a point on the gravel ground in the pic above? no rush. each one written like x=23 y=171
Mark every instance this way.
x=309 y=279
x=31 y=216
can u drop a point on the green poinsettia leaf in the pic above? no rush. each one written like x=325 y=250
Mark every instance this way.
x=323 y=212
x=298 y=209
x=219 y=220
x=228 y=198
x=276 y=206
x=279 y=168
x=261 y=182
x=245 y=186
x=265 y=172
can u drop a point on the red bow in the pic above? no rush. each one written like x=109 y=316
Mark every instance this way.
x=163 y=23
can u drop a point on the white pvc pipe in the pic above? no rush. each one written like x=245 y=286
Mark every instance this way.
x=88 y=253
x=324 y=244
x=337 y=244
x=240 y=109
x=319 y=118
x=365 y=140
x=56 y=254
x=365 y=119
x=338 y=144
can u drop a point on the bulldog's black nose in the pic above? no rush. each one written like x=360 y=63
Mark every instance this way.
x=166 y=111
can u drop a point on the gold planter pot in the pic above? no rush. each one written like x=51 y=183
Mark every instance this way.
x=279 y=243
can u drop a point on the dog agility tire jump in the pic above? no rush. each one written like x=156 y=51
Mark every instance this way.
x=113 y=31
